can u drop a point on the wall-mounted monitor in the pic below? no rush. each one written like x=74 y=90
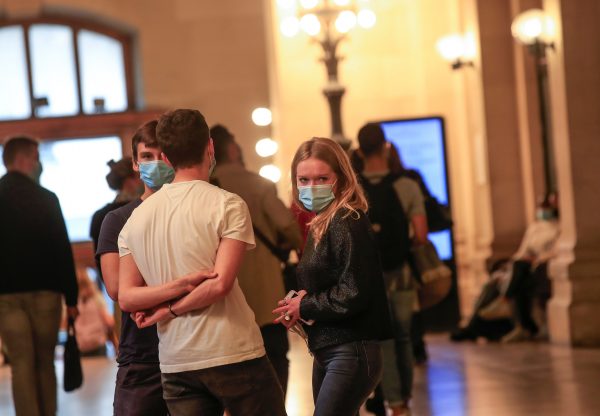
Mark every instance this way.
x=421 y=145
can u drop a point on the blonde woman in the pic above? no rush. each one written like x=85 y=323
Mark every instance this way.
x=341 y=281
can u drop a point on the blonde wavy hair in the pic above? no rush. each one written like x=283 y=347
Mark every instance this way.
x=348 y=193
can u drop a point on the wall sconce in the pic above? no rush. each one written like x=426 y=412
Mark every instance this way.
x=455 y=49
x=535 y=29
x=327 y=22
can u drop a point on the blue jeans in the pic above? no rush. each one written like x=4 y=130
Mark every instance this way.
x=344 y=376
x=397 y=353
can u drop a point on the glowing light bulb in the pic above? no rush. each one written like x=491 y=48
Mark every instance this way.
x=286 y=4
x=266 y=147
x=451 y=47
x=290 y=26
x=342 y=2
x=345 y=21
x=309 y=4
x=310 y=24
x=262 y=116
x=532 y=26
x=366 y=18
x=270 y=172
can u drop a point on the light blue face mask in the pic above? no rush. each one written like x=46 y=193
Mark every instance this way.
x=156 y=173
x=316 y=198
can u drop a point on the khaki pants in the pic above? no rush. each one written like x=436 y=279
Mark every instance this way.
x=29 y=325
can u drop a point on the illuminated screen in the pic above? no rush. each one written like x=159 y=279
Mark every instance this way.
x=420 y=143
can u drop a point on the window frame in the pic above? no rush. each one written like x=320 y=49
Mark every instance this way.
x=76 y=25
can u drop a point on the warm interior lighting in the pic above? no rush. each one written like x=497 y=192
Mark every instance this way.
x=309 y=4
x=286 y=4
x=345 y=21
x=533 y=26
x=366 y=18
x=262 y=116
x=266 y=147
x=270 y=172
x=451 y=47
x=454 y=49
x=341 y=2
x=310 y=24
x=290 y=26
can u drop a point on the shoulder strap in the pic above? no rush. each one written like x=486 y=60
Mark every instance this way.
x=280 y=254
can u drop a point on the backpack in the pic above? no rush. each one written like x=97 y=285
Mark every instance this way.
x=388 y=220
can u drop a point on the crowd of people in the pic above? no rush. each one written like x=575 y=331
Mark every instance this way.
x=192 y=251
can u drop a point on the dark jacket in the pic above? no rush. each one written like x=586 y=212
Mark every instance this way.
x=342 y=276
x=35 y=252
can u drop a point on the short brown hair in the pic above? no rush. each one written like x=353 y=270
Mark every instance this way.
x=371 y=139
x=183 y=136
x=119 y=172
x=15 y=146
x=146 y=134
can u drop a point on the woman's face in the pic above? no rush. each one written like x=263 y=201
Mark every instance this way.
x=313 y=171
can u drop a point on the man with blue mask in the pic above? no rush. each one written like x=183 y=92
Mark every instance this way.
x=138 y=389
x=37 y=271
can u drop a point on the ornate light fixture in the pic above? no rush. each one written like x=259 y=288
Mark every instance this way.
x=454 y=48
x=328 y=23
x=535 y=29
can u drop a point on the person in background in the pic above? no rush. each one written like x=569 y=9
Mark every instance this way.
x=397 y=212
x=95 y=325
x=341 y=282
x=274 y=226
x=126 y=181
x=36 y=264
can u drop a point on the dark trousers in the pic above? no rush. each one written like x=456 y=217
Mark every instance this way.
x=138 y=391
x=344 y=376
x=248 y=388
x=277 y=346
x=522 y=288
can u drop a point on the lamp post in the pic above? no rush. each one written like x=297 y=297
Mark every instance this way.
x=327 y=22
x=535 y=29
x=455 y=49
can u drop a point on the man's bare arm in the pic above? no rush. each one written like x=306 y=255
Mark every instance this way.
x=109 y=262
x=227 y=264
x=134 y=295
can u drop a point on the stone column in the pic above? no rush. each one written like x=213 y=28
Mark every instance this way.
x=574 y=70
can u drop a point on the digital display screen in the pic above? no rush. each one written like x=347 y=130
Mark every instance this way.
x=421 y=145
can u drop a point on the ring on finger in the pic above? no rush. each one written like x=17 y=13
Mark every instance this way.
x=286 y=316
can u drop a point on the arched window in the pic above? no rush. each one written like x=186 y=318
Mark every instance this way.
x=55 y=67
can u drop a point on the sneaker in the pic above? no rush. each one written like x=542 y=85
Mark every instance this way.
x=498 y=309
x=517 y=335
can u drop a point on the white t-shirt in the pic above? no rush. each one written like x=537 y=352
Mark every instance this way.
x=177 y=231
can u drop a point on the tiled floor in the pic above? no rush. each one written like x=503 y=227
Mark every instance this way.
x=460 y=379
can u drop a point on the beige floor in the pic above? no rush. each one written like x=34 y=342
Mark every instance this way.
x=460 y=379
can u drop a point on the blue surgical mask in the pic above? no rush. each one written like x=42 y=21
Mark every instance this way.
x=316 y=197
x=37 y=173
x=156 y=173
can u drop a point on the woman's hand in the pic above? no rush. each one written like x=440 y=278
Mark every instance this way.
x=192 y=280
x=289 y=310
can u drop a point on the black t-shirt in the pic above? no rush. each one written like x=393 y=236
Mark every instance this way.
x=136 y=345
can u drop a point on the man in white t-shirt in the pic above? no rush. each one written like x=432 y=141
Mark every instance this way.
x=210 y=348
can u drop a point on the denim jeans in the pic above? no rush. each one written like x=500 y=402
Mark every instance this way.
x=138 y=391
x=248 y=388
x=29 y=324
x=397 y=353
x=344 y=376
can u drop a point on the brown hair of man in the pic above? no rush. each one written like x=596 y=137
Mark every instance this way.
x=371 y=139
x=15 y=146
x=146 y=134
x=183 y=136
x=120 y=171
